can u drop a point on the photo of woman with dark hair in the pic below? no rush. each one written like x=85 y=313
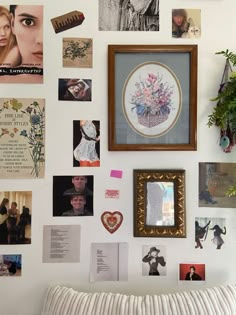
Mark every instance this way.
x=218 y=240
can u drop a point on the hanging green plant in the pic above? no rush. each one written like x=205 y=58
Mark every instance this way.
x=224 y=113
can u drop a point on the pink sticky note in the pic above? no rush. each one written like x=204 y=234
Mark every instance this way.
x=116 y=173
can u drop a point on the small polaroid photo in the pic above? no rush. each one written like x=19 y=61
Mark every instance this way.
x=192 y=272
x=79 y=90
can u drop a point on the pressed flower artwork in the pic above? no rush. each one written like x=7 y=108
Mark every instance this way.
x=77 y=52
x=22 y=138
x=152 y=99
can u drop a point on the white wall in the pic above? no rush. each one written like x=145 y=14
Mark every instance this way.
x=24 y=295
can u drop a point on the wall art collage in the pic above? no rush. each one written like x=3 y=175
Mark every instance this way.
x=150 y=108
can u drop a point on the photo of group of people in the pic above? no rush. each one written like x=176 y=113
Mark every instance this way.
x=15 y=217
x=10 y=265
x=21 y=44
x=73 y=195
x=86 y=143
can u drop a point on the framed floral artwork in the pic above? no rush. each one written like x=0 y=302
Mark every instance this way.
x=152 y=97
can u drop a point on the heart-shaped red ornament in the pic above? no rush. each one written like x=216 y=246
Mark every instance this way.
x=112 y=220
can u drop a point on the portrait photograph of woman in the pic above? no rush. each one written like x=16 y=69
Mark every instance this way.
x=154 y=261
x=186 y=23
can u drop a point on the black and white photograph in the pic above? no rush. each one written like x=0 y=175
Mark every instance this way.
x=154 y=260
x=129 y=15
x=210 y=233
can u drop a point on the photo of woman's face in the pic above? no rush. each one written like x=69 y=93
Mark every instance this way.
x=27 y=26
x=178 y=20
x=5 y=30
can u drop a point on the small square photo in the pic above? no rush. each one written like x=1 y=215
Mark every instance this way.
x=186 y=23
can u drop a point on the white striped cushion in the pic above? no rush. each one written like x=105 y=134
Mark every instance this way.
x=213 y=301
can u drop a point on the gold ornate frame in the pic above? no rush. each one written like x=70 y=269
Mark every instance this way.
x=141 y=178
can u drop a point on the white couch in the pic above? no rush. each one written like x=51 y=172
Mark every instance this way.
x=219 y=300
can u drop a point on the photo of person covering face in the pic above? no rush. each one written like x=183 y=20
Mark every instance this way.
x=73 y=195
x=21 y=44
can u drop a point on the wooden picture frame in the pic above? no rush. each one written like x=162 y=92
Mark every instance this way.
x=159 y=203
x=152 y=97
